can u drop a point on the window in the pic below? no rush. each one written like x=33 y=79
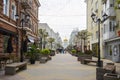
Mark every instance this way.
x=13 y=13
x=6 y=7
x=104 y=28
x=96 y=34
x=91 y=1
x=110 y=24
x=112 y=3
x=96 y=6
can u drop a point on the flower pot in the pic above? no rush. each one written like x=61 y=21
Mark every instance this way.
x=32 y=61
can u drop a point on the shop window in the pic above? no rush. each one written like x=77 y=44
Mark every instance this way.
x=5 y=43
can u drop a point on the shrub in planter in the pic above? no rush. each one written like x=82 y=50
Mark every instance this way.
x=45 y=55
x=32 y=53
x=45 y=52
x=73 y=52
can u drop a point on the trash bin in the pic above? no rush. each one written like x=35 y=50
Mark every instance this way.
x=110 y=76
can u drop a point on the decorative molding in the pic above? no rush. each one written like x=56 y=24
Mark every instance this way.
x=8 y=22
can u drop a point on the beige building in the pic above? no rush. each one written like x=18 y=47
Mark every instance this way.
x=109 y=29
x=94 y=6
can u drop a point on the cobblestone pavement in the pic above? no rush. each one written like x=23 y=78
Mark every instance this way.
x=61 y=67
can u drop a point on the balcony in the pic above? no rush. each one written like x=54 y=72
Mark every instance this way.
x=111 y=12
x=25 y=4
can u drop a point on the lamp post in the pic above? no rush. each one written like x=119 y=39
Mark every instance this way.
x=99 y=21
x=22 y=21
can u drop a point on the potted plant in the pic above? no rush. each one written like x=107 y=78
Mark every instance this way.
x=44 y=55
x=73 y=52
x=32 y=51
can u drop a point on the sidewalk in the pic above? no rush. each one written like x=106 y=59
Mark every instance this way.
x=61 y=67
x=109 y=61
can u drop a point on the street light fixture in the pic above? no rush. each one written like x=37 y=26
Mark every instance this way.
x=22 y=21
x=99 y=21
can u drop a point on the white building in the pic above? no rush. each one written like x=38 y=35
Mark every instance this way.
x=72 y=40
x=51 y=34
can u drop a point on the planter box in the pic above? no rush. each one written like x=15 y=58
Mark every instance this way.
x=109 y=76
x=109 y=68
x=43 y=59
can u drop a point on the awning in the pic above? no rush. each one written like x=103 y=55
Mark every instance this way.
x=31 y=39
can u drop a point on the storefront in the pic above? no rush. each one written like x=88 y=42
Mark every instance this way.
x=112 y=49
x=8 y=41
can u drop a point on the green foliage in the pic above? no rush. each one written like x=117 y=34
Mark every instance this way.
x=73 y=51
x=117 y=4
x=32 y=51
x=118 y=1
x=45 y=52
x=50 y=40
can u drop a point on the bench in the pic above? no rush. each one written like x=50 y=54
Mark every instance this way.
x=80 y=57
x=85 y=61
x=11 y=69
x=89 y=60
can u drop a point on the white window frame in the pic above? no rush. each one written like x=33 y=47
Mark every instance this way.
x=13 y=13
x=6 y=7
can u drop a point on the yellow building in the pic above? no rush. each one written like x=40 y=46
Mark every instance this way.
x=94 y=6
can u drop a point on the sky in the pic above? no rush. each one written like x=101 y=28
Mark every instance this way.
x=63 y=16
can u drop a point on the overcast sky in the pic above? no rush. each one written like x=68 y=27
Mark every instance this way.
x=63 y=15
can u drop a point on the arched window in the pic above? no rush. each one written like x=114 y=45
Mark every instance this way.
x=13 y=11
x=6 y=7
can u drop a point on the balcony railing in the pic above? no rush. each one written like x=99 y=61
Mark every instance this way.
x=26 y=4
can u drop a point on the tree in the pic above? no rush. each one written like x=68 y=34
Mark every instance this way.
x=117 y=5
x=83 y=35
x=43 y=34
x=51 y=40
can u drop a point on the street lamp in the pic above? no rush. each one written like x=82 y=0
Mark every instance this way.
x=99 y=21
x=22 y=21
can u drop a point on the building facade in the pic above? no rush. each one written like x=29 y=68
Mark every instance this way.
x=51 y=34
x=94 y=6
x=109 y=29
x=14 y=25
x=111 y=38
